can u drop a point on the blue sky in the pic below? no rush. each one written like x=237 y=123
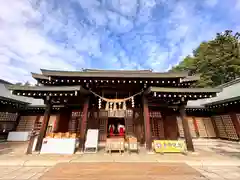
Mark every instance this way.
x=106 y=34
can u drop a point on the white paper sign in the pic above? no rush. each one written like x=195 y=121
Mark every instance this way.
x=92 y=138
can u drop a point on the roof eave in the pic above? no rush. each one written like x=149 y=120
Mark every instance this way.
x=45 y=88
x=185 y=90
x=222 y=101
x=39 y=76
x=13 y=100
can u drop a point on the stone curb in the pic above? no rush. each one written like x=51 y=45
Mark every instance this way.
x=54 y=162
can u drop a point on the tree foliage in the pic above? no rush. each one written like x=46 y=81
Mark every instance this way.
x=216 y=61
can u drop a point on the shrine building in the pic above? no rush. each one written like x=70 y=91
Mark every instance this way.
x=150 y=105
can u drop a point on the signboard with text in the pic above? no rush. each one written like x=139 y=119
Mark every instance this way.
x=162 y=146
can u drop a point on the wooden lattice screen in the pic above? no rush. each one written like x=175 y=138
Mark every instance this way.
x=27 y=123
x=229 y=127
x=129 y=122
x=220 y=127
x=201 y=127
x=209 y=127
x=192 y=127
x=103 y=118
x=157 y=127
x=74 y=125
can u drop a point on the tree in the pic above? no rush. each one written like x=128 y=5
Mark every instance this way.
x=216 y=61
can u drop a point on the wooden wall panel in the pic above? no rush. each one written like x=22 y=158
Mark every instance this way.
x=229 y=127
x=51 y=123
x=6 y=116
x=102 y=129
x=103 y=120
x=129 y=122
x=236 y=121
x=180 y=127
x=65 y=116
x=192 y=127
x=220 y=127
x=209 y=127
x=170 y=128
x=201 y=127
x=157 y=125
x=190 y=124
x=26 y=123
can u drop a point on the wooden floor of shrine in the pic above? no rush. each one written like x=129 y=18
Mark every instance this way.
x=122 y=171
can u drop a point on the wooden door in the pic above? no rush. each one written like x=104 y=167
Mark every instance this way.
x=170 y=128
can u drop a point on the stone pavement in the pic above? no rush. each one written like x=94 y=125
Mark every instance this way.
x=219 y=172
x=162 y=172
x=21 y=173
x=215 y=160
x=122 y=171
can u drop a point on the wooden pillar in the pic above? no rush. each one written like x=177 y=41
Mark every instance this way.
x=32 y=137
x=196 y=126
x=44 y=125
x=147 y=126
x=83 y=124
x=186 y=130
x=215 y=127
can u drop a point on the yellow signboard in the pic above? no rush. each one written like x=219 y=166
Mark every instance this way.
x=162 y=146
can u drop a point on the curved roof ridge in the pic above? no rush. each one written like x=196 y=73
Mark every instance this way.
x=230 y=83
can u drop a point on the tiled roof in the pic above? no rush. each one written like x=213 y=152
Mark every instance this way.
x=6 y=94
x=114 y=73
x=230 y=92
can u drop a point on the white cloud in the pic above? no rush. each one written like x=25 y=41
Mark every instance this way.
x=28 y=46
x=117 y=33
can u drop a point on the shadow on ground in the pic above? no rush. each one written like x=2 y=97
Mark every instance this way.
x=223 y=152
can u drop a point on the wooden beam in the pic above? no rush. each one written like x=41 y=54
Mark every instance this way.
x=147 y=124
x=44 y=125
x=187 y=134
x=83 y=124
